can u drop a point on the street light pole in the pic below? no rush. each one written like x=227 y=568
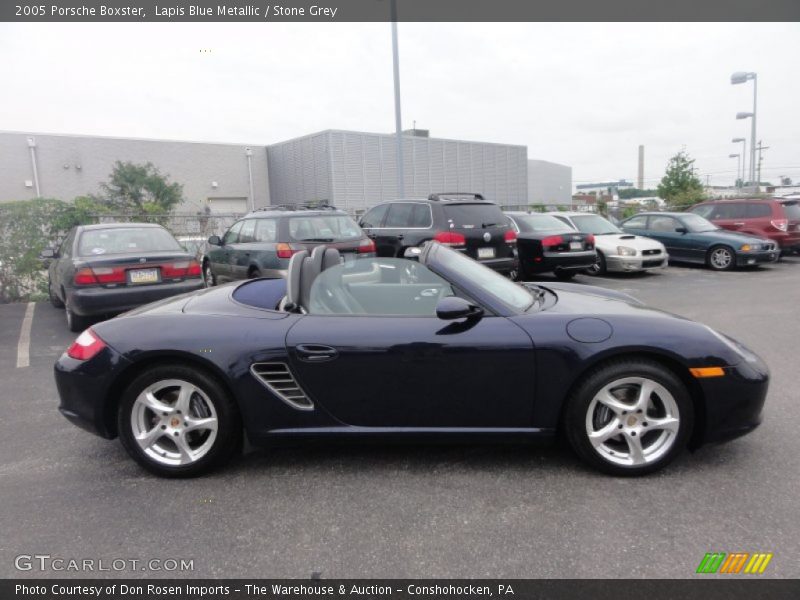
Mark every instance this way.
x=742 y=77
x=744 y=156
x=738 y=165
x=397 y=118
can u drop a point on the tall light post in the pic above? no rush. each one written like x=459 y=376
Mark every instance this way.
x=743 y=77
x=750 y=174
x=744 y=155
x=738 y=166
x=398 y=121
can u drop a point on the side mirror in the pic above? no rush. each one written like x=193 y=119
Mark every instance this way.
x=453 y=307
x=47 y=253
x=681 y=230
x=215 y=240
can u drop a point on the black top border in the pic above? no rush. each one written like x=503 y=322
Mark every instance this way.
x=407 y=10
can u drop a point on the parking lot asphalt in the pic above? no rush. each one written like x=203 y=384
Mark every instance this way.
x=415 y=511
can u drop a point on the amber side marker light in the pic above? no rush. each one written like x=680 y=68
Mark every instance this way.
x=700 y=372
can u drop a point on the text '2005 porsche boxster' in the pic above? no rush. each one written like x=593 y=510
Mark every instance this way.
x=438 y=348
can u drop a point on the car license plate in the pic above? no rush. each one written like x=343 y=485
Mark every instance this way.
x=576 y=245
x=143 y=276
x=485 y=252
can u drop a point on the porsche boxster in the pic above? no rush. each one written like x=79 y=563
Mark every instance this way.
x=431 y=347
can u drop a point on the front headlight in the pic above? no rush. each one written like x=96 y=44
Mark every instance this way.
x=626 y=251
x=746 y=248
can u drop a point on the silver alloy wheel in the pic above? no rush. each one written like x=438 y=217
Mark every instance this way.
x=632 y=421
x=174 y=422
x=721 y=258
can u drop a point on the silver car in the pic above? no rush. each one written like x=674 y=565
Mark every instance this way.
x=616 y=250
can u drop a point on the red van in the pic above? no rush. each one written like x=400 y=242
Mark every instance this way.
x=775 y=218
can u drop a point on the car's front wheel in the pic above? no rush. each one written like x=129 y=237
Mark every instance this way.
x=599 y=266
x=177 y=421
x=629 y=417
x=721 y=258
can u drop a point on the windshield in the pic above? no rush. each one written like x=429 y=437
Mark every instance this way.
x=696 y=223
x=540 y=223
x=469 y=216
x=503 y=289
x=594 y=224
x=323 y=228
x=792 y=210
x=133 y=240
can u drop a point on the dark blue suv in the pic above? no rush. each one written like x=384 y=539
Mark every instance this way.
x=261 y=243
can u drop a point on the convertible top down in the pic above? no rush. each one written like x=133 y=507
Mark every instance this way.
x=437 y=348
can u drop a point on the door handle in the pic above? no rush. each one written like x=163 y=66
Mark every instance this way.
x=315 y=352
x=372 y=236
x=400 y=237
x=739 y=224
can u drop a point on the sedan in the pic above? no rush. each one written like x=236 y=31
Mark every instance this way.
x=437 y=349
x=617 y=250
x=113 y=267
x=548 y=245
x=692 y=239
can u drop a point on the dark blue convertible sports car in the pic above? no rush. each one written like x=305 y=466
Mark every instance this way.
x=438 y=348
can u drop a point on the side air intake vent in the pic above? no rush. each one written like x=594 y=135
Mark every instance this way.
x=278 y=379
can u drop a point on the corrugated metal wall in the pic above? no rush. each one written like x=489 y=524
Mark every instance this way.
x=361 y=169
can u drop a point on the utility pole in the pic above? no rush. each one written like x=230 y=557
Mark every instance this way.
x=398 y=120
x=760 y=149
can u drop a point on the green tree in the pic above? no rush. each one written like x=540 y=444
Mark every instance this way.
x=140 y=189
x=680 y=187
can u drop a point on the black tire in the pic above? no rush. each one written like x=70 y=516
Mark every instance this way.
x=630 y=424
x=75 y=323
x=54 y=299
x=229 y=436
x=599 y=267
x=564 y=275
x=209 y=278
x=715 y=262
x=254 y=274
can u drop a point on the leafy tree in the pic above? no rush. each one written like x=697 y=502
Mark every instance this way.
x=140 y=189
x=680 y=187
x=602 y=207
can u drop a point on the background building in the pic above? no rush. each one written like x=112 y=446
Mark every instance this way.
x=354 y=170
x=549 y=183
x=67 y=166
x=606 y=187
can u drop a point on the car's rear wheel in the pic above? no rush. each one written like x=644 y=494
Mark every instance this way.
x=75 y=323
x=564 y=275
x=599 y=266
x=254 y=274
x=721 y=258
x=54 y=299
x=629 y=417
x=177 y=421
x=208 y=275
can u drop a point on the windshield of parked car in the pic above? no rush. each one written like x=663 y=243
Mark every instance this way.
x=323 y=228
x=594 y=224
x=126 y=240
x=502 y=288
x=470 y=216
x=540 y=223
x=792 y=210
x=697 y=224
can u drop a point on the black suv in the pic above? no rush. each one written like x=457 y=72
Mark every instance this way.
x=465 y=222
x=261 y=243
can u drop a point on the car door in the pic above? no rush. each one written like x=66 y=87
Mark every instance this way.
x=372 y=224
x=395 y=226
x=220 y=256
x=410 y=368
x=239 y=257
x=729 y=215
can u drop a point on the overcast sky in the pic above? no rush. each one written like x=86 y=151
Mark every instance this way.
x=584 y=95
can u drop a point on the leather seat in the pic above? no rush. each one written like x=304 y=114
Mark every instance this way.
x=303 y=270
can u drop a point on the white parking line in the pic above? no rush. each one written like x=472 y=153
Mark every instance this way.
x=24 y=344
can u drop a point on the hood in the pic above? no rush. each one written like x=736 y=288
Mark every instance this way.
x=598 y=301
x=611 y=241
x=735 y=236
